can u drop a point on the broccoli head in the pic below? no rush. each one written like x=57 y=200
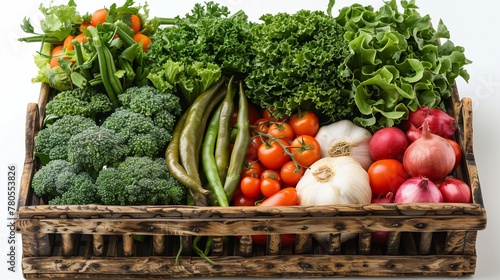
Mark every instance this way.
x=64 y=183
x=86 y=102
x=162 y=106
x=52 y=140
x=139 y=181
x=142 y=137
x=95 y=148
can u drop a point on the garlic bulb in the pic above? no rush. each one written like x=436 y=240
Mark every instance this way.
x=334 y=180
x=344 y=138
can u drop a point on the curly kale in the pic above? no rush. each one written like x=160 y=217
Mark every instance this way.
x=64 y=183
x=138 y=181
x=95 y=148
x=52 y=140
x=300 y=64
x=86 y=102
x=141 y=136
x=162 y=106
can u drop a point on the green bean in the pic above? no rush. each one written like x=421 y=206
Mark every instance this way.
x=223 y=135
x=240 y=145
x=208 y=160
x=177 y=171
x=188 y=145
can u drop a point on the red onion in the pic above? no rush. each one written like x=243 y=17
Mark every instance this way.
x=440 y=122
x=380 y=237
x=455 y=190
x=429 y=156
x=458 y=151
x=388 y=143
x=413 y=133
x=418 y=189
x=388 y=198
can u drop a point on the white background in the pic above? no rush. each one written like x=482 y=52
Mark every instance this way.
x=472 y=24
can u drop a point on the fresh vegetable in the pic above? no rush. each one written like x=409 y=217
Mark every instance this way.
x=52 y=141
x=253 y=147
x=281 y=130
x=81 y=191
x=95 y=148
x=388 y=143
x=381 y=237
x=290 y=173
x=299 y=64
x=399 y=62
x=458 y=151
x=416 y=190
x=250 y=186
x=141 y=137
x=455 y=190
x=139 y=181
x=285 y=197
x=344 y=138
x=269 y=187
x=304 y=123
x=251 y=169
x=86 y=102
x=272 y=174
x=223 y=139
x=143 y=40
x=386 y=176
x=440 y=123
x=430 y=156
x=98 y=17
x=334 y=180
x=305 y=150
x=273 y=153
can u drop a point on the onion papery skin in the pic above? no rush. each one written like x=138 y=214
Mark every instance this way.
x=418 y=190
x=440 y=123
x=430 y=156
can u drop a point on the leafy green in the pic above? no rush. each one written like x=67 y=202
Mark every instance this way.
x=398 y=62
x=299 y=63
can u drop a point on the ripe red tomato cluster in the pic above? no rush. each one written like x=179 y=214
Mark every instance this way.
x=278 y=154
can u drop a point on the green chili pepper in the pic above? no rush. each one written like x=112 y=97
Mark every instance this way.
x=223 y=135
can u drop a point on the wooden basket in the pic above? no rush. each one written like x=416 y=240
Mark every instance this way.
x=95 y=241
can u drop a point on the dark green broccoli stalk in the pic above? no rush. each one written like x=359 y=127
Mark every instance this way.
x=162 y=106
x=95 y=148
x=142 y=137
x=62 y=182
x=52 y=141
x=81 y=191
x=139 y=181
x=86 y=102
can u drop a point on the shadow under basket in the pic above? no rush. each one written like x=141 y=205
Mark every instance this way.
x=98 y=241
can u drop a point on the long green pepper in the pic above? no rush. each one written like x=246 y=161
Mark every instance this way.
x=240 y=146
x=223 y=135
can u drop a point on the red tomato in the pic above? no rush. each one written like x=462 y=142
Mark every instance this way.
x=268 y=114
x=304 y=123
x=243 y=200
x=386 y=175
x=253 y=114
x=306 y=150
x=290 y=174
x=268 y=187
x=250 y=186
x=272 y=174
x=286 y=239
x=262 y=125
x=285 y=197
x=281 y=130
x=251 y=169
x=457 y=150
x=253 y=148
x=273 y=155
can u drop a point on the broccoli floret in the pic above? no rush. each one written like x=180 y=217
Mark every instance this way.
x=86 y=102
x=142 y=137
x=95 y=148
x=53 y=139
x=162 y=106
x=138 y=181
x=64 y=183
x=81 y=191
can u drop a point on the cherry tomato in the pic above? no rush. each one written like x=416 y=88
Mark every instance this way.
x=243 y=200
x=281 y=130
x=250 y=186
x=272 y=174
x=304 y=123
x=253 y=148
x=251 y=169
x=262 y=125
x=457 y=150
x=306 y=150
x=290 y=174
x=386 y=175
x=285 y=197
x=268 y=114
x=268 y=187
x=272 y=155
